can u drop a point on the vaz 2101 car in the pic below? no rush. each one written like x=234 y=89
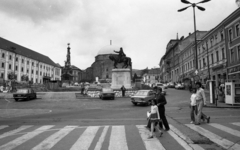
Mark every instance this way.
x=26 y=93
x=143 y=97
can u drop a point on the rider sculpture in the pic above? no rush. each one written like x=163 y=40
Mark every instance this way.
x=121 y=54
x=120 y=58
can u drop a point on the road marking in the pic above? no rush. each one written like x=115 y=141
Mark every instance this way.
x=85 y=140
x=118 y=139
x=236 y=123
x=13 y=144
x=183 y=140
x=150 y=144
x=226 y=129
x=3 y=126
x=215 y=138
x=49 y=142
x=13 y=132
x=101 y=139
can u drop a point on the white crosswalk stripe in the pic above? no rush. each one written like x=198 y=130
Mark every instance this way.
x=150 y=144
x=226 y=129
x=215 y=138
x=13 y=132
x=85 y=140
x=13 y=144
x=112 y=137
x=3 y=126
x=48 y=143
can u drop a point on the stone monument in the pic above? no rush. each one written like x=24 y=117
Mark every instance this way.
x=121 y=76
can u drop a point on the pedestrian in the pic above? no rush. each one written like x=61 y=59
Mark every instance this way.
x=193 y=105
x=123 y=89
x=82 y=88
x=200 y=102
x=161 y=101
x=154 y=118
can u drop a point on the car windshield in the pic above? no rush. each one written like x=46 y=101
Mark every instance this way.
x=107 y=90
x=142 y=93
x=22 y=91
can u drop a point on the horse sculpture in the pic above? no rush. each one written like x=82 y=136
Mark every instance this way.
x=125 y=60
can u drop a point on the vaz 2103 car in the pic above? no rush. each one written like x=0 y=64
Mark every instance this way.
x=26 y=93
x=143 y=97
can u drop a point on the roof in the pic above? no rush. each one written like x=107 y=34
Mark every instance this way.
x=23 y=51
x=109 y=49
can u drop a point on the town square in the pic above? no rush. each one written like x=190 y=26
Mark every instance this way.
x=89 y=75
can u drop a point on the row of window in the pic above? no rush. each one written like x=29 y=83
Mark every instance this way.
x=237 y=32
x=233 y=58
x=10 y=58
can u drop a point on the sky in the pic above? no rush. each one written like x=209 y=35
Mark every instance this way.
x=142 y=28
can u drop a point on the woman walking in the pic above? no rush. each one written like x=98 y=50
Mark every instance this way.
x=154 y=118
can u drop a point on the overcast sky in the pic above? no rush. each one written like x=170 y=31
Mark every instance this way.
x=142 y=27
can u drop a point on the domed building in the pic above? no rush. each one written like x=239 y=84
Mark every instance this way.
x=102 y=67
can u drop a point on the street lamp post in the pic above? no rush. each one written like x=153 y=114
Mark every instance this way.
x=193 y=5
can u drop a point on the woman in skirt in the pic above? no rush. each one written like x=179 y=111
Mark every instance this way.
x=154 y=118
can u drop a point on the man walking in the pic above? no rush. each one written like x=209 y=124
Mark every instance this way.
x=161 y=101
x=200 y=102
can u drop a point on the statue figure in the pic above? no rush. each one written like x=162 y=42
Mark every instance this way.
x=121 y=58
x=121 y=54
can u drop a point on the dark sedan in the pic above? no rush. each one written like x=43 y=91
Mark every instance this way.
x=26 y=93
x=107 y=93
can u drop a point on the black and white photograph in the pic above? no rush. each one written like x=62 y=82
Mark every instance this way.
x=120 y=75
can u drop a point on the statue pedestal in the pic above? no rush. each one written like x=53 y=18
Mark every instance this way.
x=121 y=77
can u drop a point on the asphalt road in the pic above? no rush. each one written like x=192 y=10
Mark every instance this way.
x=65 y=109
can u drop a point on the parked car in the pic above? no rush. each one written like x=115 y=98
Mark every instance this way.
x=107 y=93
x=179 y=86
x=171 y=85
x=163 y=88
x=143 y=97
x=25 y=93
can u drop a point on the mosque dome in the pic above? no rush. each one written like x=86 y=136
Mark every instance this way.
x=109 y=49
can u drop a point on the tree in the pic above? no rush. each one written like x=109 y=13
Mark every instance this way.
x=24 y=77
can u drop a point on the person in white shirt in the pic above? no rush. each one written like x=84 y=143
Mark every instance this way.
x=193 y=105
x=200 y=102
x=154 y=118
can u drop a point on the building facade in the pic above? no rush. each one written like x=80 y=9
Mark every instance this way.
x=22 y=61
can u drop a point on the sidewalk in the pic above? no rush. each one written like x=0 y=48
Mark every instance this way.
x=219 y=104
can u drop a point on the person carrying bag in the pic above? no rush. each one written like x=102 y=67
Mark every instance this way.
x=154 y=118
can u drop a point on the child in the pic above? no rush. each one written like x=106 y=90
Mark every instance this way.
x=154 y=118
x=193 y=106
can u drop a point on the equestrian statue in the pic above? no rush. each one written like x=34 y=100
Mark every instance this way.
x=120 y=58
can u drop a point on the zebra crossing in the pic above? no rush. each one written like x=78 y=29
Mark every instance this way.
x=122 y=137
